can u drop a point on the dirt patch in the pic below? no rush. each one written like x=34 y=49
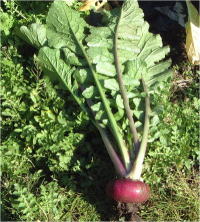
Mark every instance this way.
x=129 y=211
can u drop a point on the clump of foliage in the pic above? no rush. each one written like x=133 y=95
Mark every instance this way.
x=38 y=144
x=97 y=73
x=171 y=144
x=49 y=165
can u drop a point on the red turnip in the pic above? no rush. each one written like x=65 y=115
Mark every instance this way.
x=128 y=191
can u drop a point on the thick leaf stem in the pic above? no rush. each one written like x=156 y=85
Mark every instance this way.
x=113 y=123
x=119 y=167
x=111 y=118
x=136 y=170
x=123 y=91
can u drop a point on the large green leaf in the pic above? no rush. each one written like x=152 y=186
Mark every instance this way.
x=140 y=52
x=35 y=35
x=85 y=60
x=50 y=59
x=65 y=28
x=135 y=43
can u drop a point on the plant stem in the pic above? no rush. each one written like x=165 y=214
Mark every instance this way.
x=119 y=167
x=136 y=170
x=123 y=91
x=112 y=121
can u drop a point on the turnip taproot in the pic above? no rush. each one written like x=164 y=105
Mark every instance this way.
x=128 y=190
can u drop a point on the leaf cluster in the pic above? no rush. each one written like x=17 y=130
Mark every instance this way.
x=94 y=63
x=174 y=143
x=62 y=51
x=42 y=132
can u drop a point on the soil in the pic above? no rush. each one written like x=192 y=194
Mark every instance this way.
x=129 y=211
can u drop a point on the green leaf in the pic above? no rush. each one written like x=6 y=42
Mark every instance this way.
x=89 y=92
x=106 y=69
x=138 y=49
x=51 y=60
x=22 y=205
x=86 y=58
x=35 y=35
x=111 y=84
x=72 y=59
x=83 y=76
x=65 y=27
x=137 y=102
x=119 y=101
x=96 y=107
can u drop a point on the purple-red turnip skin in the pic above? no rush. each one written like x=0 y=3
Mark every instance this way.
x=128 y=191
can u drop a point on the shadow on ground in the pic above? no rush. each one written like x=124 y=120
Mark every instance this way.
x=95 y=171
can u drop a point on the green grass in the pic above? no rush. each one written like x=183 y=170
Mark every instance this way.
x=53 y=170
x=178 y=201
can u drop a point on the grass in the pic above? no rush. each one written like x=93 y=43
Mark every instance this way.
x=53 y=170
x=179 y=202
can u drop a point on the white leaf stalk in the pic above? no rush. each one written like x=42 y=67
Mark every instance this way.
x=193 y=34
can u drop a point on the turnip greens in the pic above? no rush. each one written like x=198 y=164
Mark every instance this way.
x=110 y=71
